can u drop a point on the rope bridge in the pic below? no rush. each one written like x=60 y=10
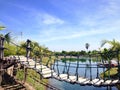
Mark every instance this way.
x=70 y=71
x=54 y=72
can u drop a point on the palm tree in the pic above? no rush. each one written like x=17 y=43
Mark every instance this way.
x=87 y=46
x=6 y=36
x=115 y=45
x=7 y=39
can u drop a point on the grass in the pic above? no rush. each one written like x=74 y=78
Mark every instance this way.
x=113 y=73
x=30 y=80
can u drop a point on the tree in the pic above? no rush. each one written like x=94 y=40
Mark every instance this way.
x=87 y=46
x=6 y=36
x=11 y=49
x=115 y=45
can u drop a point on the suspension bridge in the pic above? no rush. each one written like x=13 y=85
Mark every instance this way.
x=52 y=70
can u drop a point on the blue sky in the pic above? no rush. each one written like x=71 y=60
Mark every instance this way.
x=62 y=24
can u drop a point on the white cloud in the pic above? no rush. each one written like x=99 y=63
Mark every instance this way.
x=48 y=19
x=75 y=34
x=105 y=17
x=112 y=8
x=43 y=18
x=39 y=16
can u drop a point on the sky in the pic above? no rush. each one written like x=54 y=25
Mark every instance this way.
x=62 y=24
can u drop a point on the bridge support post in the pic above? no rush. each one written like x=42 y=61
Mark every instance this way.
x=1 y=57
x=2 y=71
x=28 y=49
x=0 y=77
x=1 y=47
x=118 y=64
x=25 y=74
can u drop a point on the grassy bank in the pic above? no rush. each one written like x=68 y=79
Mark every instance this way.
x=31 y=74
x=113 y=73
x=73 y=59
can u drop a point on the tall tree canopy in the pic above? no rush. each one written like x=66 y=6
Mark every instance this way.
x=87 y=45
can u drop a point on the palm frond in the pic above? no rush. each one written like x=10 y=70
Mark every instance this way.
x=2 y=27
x=103 y=42
x=115 y=45
x=7 y=37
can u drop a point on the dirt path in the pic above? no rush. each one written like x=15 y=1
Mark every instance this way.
x=28 y=87
x=1 y=88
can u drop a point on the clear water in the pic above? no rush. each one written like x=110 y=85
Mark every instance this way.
x=62 y=85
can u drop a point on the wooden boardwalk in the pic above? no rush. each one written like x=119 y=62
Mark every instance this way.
x=46 y=72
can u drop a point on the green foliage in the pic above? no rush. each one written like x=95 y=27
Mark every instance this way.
x=7 y=37
x=10 y=50
x=72 y=53
x=108 y=53
x=115 y=45
x=113 y=73
x=2 y=27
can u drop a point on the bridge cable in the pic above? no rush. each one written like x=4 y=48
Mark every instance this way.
x=85 y=71
x=65 y=65
x=97 y=69
x=53 y=66
x=76 y=74
x=69 y=67
x=90 y=68
x=57 y=67
x=109 y=65
x=103 y=68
